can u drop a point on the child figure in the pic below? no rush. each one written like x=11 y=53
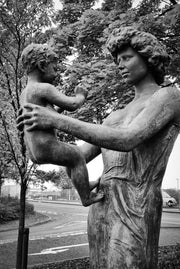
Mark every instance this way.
x=40 y=62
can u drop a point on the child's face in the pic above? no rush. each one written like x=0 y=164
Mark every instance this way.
x=50 y=72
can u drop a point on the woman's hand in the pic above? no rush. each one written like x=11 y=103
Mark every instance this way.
x=37 y=117
x=19 y=121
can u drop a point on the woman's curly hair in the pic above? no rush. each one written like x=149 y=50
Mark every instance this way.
x=147 y=45
x=35 y=53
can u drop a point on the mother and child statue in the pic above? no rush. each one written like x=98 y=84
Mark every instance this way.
x=135 y=143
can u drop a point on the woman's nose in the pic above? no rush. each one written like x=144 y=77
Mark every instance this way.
x=121 y=65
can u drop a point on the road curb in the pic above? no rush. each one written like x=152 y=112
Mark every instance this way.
x=169 y=210
x=57 y=202
x=177 y=211
x=30 y=225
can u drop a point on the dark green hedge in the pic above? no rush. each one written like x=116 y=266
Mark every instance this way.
x=169 y=257
x=10 y=207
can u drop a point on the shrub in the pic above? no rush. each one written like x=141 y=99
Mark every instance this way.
x=169 y=257
x=174 y=193
x=10 y=208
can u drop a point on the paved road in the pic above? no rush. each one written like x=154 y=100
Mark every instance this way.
x=72 y=219
x=68 y=219
x=67 y=236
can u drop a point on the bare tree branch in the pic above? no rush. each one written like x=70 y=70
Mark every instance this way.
x=174 y=2
x=10 y=142
x=9 y=87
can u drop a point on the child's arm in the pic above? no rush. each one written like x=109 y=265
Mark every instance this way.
x=64 y=102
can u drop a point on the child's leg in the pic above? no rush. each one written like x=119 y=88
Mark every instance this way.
x=80 y=179
x=63 y=154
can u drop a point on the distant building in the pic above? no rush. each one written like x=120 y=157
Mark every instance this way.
x=35 y=190
x=10 y=188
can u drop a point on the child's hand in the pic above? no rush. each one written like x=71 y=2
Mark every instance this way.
x=81 y=90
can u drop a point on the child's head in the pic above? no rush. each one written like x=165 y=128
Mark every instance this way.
x=34 y=54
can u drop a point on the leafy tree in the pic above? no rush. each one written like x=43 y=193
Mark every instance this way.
x=72 y=11
x=43 y=176
x=93 y=66
x=19 y=22
x=5 y=157
x=8 y=168
x=122 y=5
x=59 y=178
x=65 y=181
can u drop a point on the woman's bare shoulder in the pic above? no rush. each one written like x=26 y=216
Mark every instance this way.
x=170 y=98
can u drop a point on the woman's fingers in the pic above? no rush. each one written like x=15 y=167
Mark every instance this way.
x=19 y=123
x=30 y=106
x=31 y=127
x=28 y=115
x=19 y=119
x=20 y=127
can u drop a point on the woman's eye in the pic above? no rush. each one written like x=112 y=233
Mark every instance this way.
x=127 y=58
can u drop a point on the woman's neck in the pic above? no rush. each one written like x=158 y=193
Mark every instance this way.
x=146 y=86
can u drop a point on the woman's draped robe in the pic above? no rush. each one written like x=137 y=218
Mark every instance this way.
x=123 y=229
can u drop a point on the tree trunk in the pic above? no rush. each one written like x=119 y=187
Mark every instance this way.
x=69 y=191
x=1 y=183
x=21 y=224
x=0 y=188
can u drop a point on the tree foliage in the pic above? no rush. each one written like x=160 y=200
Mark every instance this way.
x=20 y=22
x=92 y=65
x=6 y=157
x=59 y=178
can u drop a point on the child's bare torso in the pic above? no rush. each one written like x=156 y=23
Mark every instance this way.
x=34 y=139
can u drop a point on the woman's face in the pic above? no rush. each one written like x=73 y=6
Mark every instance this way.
x=132 y=66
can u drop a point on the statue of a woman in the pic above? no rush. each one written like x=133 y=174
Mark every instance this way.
x=135 y=143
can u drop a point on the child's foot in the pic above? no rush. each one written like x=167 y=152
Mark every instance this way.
x=93 y=198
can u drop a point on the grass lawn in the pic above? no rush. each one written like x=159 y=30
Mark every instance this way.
x=8 y=251
x=169 y=257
